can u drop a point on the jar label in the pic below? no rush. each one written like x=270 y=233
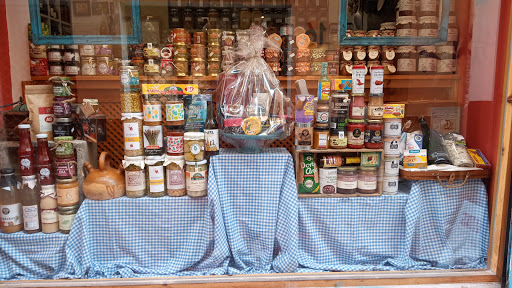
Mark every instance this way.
x=152 y=113
x=322 y=117
x=153 y=137
x=390 y=185
x=195 y=149
x=69 y=57
x=55 y=56
x=132 y=136
x=11 y=214
x=135 y=180
x=71 y=70
x=87 y=50
x=373 y=54
x=66 y=221
x=392 y=147
x=339 y=141
x=102 y=68
x=407 y=5
x=61 y=108
x=355 y=137
x=393 y=128
x=377 y=80
x=390 y=54
x=367 y=185
x=197 y=181
x=67 y=196
x=175 y=144
x=65 y=169
x=361 y=55
x=88 y=69
x=446 y=66
x=156 y=179
x=211 y=140
x=322 y=140
x=375 y=111
x=406 y=65
x=427 y=64
x=56 y=69
x=391 y=167
x=428 y=5
x=49 y=216
x=358 y=80
x=453 y=35
x=175 y=179
x=406 y=32
x=428 y=33
x=127 y=79
x=347 y=55
x=31 y=217
x=328 y=179
x=357 y=111
x=174 y=112
x=373 y=136
x=344 y=184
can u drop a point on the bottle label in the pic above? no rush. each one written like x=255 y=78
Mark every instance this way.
x=26 y=163
x=175 y=179
x=46 y=119
x=45 y=173
x=131 y=136
x=11 y=214
x=31 y=217
x=68 y=196
x=174 y=112
x=152 y=113
x=347 y=184
x=211 y=137
x=156 y=179
x=153 y=137
x=49 y=216
x=66 y=221
x=175 y=144
x=357 y=111
x=197 y=181
x=322 y=117
x=135 y=180
x=324 y=90
x=406 y=65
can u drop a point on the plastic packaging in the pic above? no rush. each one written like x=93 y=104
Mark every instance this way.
x=455 y=145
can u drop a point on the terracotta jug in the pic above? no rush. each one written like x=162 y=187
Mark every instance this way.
x=104 y=183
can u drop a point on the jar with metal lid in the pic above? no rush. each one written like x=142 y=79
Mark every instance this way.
x=153 y=139
x=151 y=67
x=373 y=134
x=321 y=138
x=194 y=146
x=129 y=76
x=197 y=178
x=427 y=26
x=389 y=67
x=373 y=33
x=151 y=51
x=406 y=7
x=303 y=136
x=155 y=176
x=130 y=100
x=339 y=100
x=406 y=26
x=357 y=106
x=406 y=59
x=387 y=53
x=86 y=50
x=56 y=68
x=135 y=176
x=388 y=29
x=346 y=53
x=63 y=127
x=175 y=174
x=64 y=146
x=376 y=106
x=392 y=165
x=338 y=119
x=322 y=113
x=359 y=53
x=152 y=109
x=133 y=137
x=180 y=35
x=174 y=111
x=188 y=20
x=338 y=137
x=103 y=50
x=67 y=192
x=181 y=68
x=347 y=180
x=62 y=107
x=71 y=68
x=427 y=59
x=447 y=63
x=66 y=218
x=71 y=53
x=88 y=65
x=367 y=180
x=65 y=168
x=213 y=68
x=175 y=142
x=198 y=67
x=180 y=52
x=355 y=133
x=55 y=53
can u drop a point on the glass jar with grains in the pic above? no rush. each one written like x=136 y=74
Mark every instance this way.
x=194 y=146
x=134 y=174
x=175 y=176
x=133 y=138
x=130 y=100
x=197 y=178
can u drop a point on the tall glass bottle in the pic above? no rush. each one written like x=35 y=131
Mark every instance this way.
x=30 y=200
x=324 y=83
x=26 y=151
x=11 y=215
x=44 y=161
x=211 y=132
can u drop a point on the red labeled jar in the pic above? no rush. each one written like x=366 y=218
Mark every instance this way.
x=355 y=132
x=175 y=142
x=356 y=110
x=373 y=134
x=65 y=168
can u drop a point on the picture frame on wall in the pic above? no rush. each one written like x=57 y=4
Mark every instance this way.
x=82 y=8
x=100 y=8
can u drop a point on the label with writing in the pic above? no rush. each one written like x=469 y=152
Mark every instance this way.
x=153 y=137
x=324 y=90
x=347 y=55
x=361 y=55
x=11 y=215
x=131 y=136
x=195 y=149
x=446 y=66
x=406 y=65
x=88 y=69
x=322 y=140
x=377 y=80
x=391 y=167
x=49 y=216
x=66 y=221
x=427 y=32
x=127 y=79
x=407 y=5
x=156 y=179
x=373 y=136
x=46 y=119
x=308 y=167
x=68 y=196
x=55 y=56
x=355 y=137
x=373 y=54
x=211 y=138
x=175 y=179
x=31 y=217
x=175 y=144
x=347 y=184
x=174 y=112
x=328 y=179
x=376 y=111
x=428 y=5
x=358 y=73
x=453 y=35
x=197 y=181
x=357 y=111
x=322 y=117
x=366 y=185
x=427 y=64
x=406 y=32
x=135 y=180
x=390 y=55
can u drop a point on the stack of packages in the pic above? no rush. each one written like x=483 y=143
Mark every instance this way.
x=215 y=51
x=228 y=54
x=302 y=55
x=288 y=62
x=273 y=55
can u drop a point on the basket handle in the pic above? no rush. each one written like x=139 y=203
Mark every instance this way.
x=450 y=181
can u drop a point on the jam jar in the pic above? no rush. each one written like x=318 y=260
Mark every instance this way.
x=387 y=53
x=367 y=180
x=453 y=31
x=346 y=68
x=338 y=137
x=427 y=26
x=406 y=26
x=428 y=7
x=359 y=53
x=388 y=29
x=447 y=63
x=406 y=7
x=373 y=134
x=427 y=59
x=347 y=180
x=374 y=52
x=64 y=127
x=355 y=133
x=406 y=59
x=346 y=53
x=389 y=67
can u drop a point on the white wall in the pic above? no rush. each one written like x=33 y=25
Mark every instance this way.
x=18 y=18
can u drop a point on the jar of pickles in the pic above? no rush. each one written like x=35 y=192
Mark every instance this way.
x=155 y=176
x=130 y=100
x=175 y=174
x=194 y=146
x=197 y=178
x=135 y=177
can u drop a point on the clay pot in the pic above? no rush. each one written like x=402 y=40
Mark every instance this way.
x=104 y=183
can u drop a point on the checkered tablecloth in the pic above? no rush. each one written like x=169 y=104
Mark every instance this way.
x=430 y=228
x=31 y=256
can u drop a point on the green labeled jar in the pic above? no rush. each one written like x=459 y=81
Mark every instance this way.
x=64 y=147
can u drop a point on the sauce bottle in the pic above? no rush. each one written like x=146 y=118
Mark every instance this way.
x=44 y=161
x=211 y=132
x=26 y=151
x=31 y=204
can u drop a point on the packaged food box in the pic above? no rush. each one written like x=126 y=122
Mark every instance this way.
x=341 y=85
x=394 y=111
x=308 y=179
x=415 y=158
x=479 y=158
x=370 y=159
x=170 y=89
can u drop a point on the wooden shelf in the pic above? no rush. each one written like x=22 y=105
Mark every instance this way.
x=339 y=150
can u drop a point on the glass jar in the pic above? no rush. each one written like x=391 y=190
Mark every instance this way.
x=65 y=167
x=130 y=100
x=86 y=50
x=346 y=68
x=322 y=113
x=56 y=68
x=427 y=59
x=64 y=147
x=175 y=176
x=359 y=53
x=166 y=67
x=338 y=138
x=406 y=7
x=393 y=127
x=67 y=192
x=388 y=53
x=151 y=67
x=71 y=53
x=55 y=53
x=428 y=7
x=347 y=180
x=406 y=26
x=374 y=52
x=135 y=176
x=49 y=218
x=132 y=131
x=200 y=37
x=373 y=134
x=357 y=106
x=198 y=51
x=373 y=33
x=137 y=51
x=346 y=53
x=103 y=50
x=303 y=55
x=406 y=60
x=338 y=120
x=71 y=68
x=181 y=67
x=447 y=63
x=104 y=66
x=174 y=111
x=392 y=145
x=153 y=139
x=453 y=31
x=303 y=136
x=376 y=106
x=197 y=178
x=367 y=180
x=63 y=127
x=62 y=107
x=214 y=52
x=180 y=52
x=188 y=19
x=155 y=176
x=392 y=165
x=66 y=218
x=388 y=29
x=355 y=133
x=427 y=26
x=213 y=68
x=151 y=51
x=321 y=138
x=198 y=67
x=245 y=18
x=194 y=146
x=175 y=142
x=152 y=109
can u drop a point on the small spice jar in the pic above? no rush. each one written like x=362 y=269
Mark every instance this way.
x=303 y=136
x=181 y=67
x=355 y=133
x=347 y=180
x=135 y=176
x=321 y=138
x=197 y=178
x=175 y=176
x=447 y=63
x=367 y=180
x=133 y=137
x=104 y=66
x=388 y=29
x=359 y=53
x=427 y=26
x=198 y=67
x=67 y=192
x=175 y=141
x=357 y=106
x=427 y=59
x=155 y=176
x=376 y=106
x=194 y=146
x=130 y=100
x=322 y=113
x=338 y=138
x=66 y=218
x=152 y=109
x=406 y=59
x=174 y=111
x=373 y=134
x=65 y=168
x=63 y=127
x=153 y=139
x=406 y=26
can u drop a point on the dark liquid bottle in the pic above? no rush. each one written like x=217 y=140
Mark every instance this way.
x=211 y=132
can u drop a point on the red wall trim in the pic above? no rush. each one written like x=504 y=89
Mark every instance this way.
x=5 y=68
